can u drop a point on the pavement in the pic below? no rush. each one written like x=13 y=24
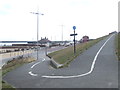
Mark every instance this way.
x=103 y=75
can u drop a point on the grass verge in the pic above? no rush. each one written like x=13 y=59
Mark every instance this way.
x=12 y=65
x=65 y=56
x=117 y=43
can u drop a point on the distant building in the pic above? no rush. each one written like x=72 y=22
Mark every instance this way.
x=45 y=41
x=112 y=32
x=84 y=39
x=42 y=43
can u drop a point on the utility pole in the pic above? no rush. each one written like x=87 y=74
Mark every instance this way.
x=62 y=32
x=37 y=13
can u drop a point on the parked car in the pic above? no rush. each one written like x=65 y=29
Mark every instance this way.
x=67 y=44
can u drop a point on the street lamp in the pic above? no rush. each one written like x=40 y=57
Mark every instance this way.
x=37 y=13
x=62 y=32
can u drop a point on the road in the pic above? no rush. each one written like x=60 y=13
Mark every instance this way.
x=33 y=54
x=100 y=57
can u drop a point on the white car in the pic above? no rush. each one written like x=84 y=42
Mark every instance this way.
x=67 y=44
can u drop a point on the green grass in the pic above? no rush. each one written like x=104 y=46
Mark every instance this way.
x=119 y=46
x=11 y=65
x=6 y=85
x=65 y=56
x=117 y=43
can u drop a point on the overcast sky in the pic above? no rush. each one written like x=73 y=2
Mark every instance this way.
x=94 y=18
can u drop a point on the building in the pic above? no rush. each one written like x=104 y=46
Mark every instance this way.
x=45 y=41
x=84 y=39
x=112 y=32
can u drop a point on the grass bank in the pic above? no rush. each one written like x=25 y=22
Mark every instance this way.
x=12 y=65
x=117 y=43
x=65 y=56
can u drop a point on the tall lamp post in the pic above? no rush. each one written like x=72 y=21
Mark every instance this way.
x=37 y=13
x=62 y=32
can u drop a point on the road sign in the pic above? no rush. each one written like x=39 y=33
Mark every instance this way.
x=74 y=27
x=73 y=34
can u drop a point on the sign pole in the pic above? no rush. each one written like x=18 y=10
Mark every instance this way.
x=74 y=27
x=74 y=44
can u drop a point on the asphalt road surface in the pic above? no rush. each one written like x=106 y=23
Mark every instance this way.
x=97 y=67
x=33 y=54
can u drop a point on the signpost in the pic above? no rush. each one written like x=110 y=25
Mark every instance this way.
x=74 y=27
x=73 y=34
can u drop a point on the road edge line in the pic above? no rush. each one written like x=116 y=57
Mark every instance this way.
x=92 y=66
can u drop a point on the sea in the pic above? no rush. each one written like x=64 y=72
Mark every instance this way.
x=10 y=43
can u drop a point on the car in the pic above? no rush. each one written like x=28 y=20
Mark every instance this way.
x=67 y=44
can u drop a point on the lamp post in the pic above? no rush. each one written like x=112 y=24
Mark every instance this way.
x=37 y=13
x=62 y=32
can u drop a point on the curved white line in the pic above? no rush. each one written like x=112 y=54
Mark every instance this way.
x=32 y=74
x=37 y=63
x=43 y=59
x=92 y=66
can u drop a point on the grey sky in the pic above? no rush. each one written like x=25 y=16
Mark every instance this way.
x=94 y=18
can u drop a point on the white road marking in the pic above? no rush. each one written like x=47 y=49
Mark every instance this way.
x=32 y=74
x=37 y=63
x=43 y=59
x=89 y=72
